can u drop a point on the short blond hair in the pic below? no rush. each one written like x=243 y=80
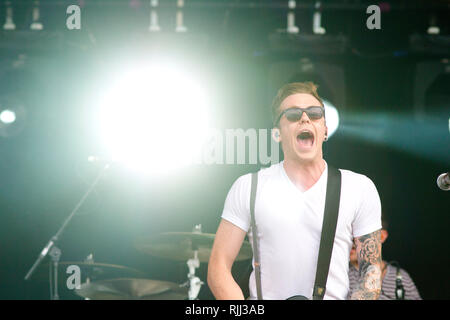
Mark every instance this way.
x=290 y=89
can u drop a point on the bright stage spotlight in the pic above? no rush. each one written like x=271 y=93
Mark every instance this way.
x=154 y=118
x=331 y=116
x=13 y=116
x=7 y=116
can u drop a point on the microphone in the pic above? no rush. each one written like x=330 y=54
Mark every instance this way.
x=443 y=182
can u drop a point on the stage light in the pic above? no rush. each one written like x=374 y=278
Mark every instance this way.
x=433 y=29
x=291 y=27
x=9 y=21
x=7 y=116
x=317 y=19
x=13 y=115
x=179 y=18
x=154 y=118
x=154 y=26
x=36 y=24
x=331 y=116
x=425 y=137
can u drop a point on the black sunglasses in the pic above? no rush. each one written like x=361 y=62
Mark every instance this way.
x=294 y=114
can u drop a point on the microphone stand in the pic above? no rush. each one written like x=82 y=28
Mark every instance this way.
x=55 y=252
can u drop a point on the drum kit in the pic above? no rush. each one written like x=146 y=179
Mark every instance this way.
x=113 y=282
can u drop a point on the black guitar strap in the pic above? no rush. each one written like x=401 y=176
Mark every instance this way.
x=257 y=264
x=331 y=212
x=330 y=217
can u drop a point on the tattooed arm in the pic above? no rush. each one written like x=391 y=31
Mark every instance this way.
x=368 y=251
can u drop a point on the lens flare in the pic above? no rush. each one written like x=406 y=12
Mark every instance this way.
x=154 y=119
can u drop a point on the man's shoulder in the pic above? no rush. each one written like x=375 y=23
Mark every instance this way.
x=355 y=178
x=269 y=171
x=394 y=268
x=263 y=173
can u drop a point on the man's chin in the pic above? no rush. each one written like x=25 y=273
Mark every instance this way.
x=306 y=156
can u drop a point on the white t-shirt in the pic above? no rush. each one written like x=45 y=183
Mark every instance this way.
x=289 y=225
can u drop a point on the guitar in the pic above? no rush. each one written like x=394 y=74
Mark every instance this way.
x=299 y=297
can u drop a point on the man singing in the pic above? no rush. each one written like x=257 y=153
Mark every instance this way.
x=289 y=211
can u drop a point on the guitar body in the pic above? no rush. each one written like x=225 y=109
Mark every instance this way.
x=297 y=298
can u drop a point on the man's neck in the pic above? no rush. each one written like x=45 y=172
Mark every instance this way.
x=304 y=175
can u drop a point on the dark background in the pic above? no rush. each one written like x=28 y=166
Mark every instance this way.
x=43 y=167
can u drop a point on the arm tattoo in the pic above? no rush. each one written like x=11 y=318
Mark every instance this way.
x=368 y=250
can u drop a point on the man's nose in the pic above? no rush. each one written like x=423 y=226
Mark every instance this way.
x=304 y=117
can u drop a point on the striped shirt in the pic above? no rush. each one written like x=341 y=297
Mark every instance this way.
x=388 y=285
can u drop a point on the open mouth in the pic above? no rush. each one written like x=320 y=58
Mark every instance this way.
x=305 y=138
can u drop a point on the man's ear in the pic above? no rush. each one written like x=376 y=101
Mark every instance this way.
x=384 y=235
x=276 y=135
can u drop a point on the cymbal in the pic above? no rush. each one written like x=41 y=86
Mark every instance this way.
x=132 y=289
x=180 y=246
x=93 y=270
